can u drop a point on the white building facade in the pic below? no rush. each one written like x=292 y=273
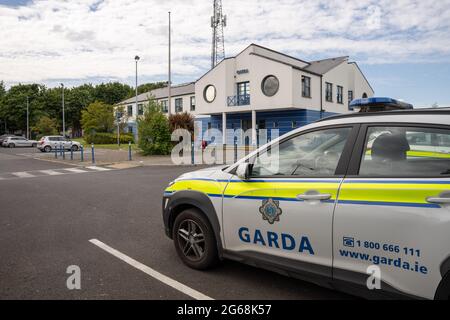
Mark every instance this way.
x=263 y=89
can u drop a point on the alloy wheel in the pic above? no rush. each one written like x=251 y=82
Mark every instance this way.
x=191 y=240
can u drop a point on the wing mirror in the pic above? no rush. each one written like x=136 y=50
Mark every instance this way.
x=243 y=171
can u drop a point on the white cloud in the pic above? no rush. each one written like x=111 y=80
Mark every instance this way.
x=49 y=40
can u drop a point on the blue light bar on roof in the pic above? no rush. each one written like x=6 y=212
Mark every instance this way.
x=380 y=102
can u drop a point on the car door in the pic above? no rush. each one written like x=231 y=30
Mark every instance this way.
x=393 y=212
x=285 y=212
x=21 y=142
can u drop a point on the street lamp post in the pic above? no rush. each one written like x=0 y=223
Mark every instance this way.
x=63 y=115
x=28 y=118
x=137 y=58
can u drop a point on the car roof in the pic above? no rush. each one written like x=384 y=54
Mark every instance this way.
x=426 y=116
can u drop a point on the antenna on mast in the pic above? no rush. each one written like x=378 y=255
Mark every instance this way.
x=218 y=22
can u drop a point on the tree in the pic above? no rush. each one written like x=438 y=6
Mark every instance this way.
x=182 y=121
x=112 y=93
x=46 y=126
x=154 y=131
x=146 y=87
x=98 y=117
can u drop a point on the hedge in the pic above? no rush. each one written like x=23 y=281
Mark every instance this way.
x=108 y=138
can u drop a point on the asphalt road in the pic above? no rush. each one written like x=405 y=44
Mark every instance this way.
x=46 y=223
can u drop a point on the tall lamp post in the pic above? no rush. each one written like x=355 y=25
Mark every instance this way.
x=63 y=115
x=137 y=58
x=28 y=118
x=170 y=67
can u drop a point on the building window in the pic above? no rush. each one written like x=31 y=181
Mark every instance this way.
x=270 y=85
x=179 y=105
x=209 y=94
x=294 y=124
x=340 y=94
x=193 y=103
x=130 y=111
x=164 y=106
x=364 y=95
x=209 y=125
x=350 y=99
x=243 y=93
x=140 y=109
x=275 y=124
x=261 y=124
x=130 y=129
x=306 y=87
x=329 y=92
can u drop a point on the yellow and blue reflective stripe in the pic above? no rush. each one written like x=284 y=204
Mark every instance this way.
x=376 y=192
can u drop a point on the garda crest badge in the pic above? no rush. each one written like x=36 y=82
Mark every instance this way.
x=270 y=210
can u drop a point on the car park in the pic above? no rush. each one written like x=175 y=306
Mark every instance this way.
x=49 y=143
x=14 y=141
x=351 y=194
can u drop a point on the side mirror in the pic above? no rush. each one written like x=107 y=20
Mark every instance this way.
x=243 y=171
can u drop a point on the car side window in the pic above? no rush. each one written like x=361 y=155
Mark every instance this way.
x=311 y=154
x=406 y=152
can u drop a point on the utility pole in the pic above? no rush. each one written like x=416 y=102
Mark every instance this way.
x=137 y=58
x=63 y=115
x=28 y=118
x=169 y=84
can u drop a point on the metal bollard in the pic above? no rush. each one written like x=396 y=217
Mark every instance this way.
x=93 y=153
x=60 y=149
x=82 y=153
x=64 y=152
x=192 y=153
x=71 y=152
x=56 y=152
x=129 y=151
x=235 y=153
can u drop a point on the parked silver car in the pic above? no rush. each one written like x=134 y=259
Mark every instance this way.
x=48 y=143
x=12 y=142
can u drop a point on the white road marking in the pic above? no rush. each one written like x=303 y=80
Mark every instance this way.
x=75 y=170
x=52 y=172
x=151 y=272
x=98 y=168
x=23 y=174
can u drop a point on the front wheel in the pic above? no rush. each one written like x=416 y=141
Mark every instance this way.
x=12 y=145
x=34 y=145
x=75 y=148
x=194 y=240
x=47 y=149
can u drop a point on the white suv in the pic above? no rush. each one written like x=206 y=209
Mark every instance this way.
x=48 y=143
x=359 y=203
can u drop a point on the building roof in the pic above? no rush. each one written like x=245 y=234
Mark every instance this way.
x=325 y=65
x=161 y=93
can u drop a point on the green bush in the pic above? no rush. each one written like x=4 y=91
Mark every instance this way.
x=154 y=132
x=107 y=138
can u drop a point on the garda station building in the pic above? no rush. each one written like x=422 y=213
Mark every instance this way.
x=263 y=89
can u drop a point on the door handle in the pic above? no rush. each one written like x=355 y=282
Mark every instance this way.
x=314 y=196
x=439 y=200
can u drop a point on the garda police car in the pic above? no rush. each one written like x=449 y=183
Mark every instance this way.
x=351 y=193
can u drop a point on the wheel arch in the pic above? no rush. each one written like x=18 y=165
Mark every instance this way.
x=443 y=290
x=189 y=199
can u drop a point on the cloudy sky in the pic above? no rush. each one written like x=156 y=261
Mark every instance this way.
x=403 y=46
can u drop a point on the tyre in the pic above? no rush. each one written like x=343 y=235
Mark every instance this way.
x=75 y=148
x=47 y=149
x=194 y=240
x=443 y=291
x=11 y=145
x=34 y=145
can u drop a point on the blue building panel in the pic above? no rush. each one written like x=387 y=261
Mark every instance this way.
x=283 y=121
